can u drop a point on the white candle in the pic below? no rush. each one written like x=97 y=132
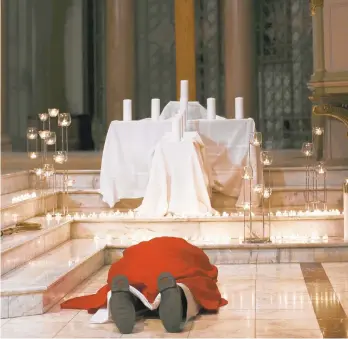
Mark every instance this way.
x=184 y=89
x=211 y=109
x=127 y=110
x=180 y=116
x=176 y=128
x=239 y=108
x=345 y=209
x=155 y=109
x=184 y=110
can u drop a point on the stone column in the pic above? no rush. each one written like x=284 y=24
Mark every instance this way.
x=318 y=40
x=185 y=46
x=5 y=140
x=318 y=69
x=119 y=56
x=240 y=75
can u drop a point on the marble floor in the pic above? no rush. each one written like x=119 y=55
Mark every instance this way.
x=265 y=301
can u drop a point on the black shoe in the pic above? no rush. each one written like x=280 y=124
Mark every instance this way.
x=170 y=308
x=122 y=305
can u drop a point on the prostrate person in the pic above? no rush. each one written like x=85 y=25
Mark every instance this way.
x=165 y=273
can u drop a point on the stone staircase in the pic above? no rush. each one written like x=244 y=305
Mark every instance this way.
x=38 y=268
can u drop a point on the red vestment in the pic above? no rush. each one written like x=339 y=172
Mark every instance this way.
x=144 y=262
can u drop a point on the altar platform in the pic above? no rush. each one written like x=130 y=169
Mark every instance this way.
x=40 y=267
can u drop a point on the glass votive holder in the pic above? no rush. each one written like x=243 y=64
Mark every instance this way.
x=258 y=188
x=64 y=119
x=51 y=138
x=307 y=149
x=33 y=155
x=60 y=157
x=48 y=170
x=38 y=171
x=318 y=130
x=256 y=139
x=267 y=192
x=44 y=134
x=32 y=133
x=247 y=173
x=69 y=182
x=43 y=116
x=53 y=112
x=246 y=206
x=266 y=158
x=320 y=168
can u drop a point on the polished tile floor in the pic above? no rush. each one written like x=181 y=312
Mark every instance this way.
x=265 y=301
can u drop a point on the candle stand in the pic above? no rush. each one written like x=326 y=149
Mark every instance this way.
x=345 y=209
x=315 y=193
x=264 y=190
x=45 y=172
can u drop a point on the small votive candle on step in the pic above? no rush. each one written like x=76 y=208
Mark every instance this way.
x=155 y=109
x=211 y=109
x=127 y=110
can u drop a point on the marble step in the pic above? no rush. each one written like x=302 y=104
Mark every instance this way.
x=19 y=248
x=334 y=250
x=14 y=182
x=39 y=284
x=279 y=177
x=294 y=196
x=85 y=170
x=296 y=176
x=281 y=197
x=116 y=231
x=15 y=210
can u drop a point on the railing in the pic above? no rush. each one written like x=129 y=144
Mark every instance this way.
x=338 y=113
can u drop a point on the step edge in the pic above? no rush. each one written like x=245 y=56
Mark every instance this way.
x=16 y=173
x=232 y=219
x=19 y=203
x=254 y=246
x=43 y=232
x=40 y=288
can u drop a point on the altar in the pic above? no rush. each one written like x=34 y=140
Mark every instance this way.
x=130 y=146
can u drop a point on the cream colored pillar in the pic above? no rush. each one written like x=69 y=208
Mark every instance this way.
x=240 y=76
x=318 y=68
x=185 y=46
x=5 y=140
x=318 y=40
x=119 y=56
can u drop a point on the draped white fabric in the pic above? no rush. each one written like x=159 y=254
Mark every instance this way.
x=179 y=179
x=129 y=148
x=195 y=111
x=227 y=144
x=127 y=157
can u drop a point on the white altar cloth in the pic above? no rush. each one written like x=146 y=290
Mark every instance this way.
x=127 y=157
x=129 y=147
x=195 y=111
x=179 y=179
x=227 y=144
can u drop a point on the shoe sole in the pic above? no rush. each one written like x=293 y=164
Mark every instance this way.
x=170 y=308
x=121 y=305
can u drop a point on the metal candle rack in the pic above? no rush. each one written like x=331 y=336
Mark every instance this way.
x=46 y=172
x=315 y=175
x=264 y=190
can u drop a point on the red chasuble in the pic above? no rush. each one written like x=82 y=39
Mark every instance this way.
x=144 y=262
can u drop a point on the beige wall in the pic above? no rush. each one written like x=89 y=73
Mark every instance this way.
x=336 y=35
x=330 y=77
